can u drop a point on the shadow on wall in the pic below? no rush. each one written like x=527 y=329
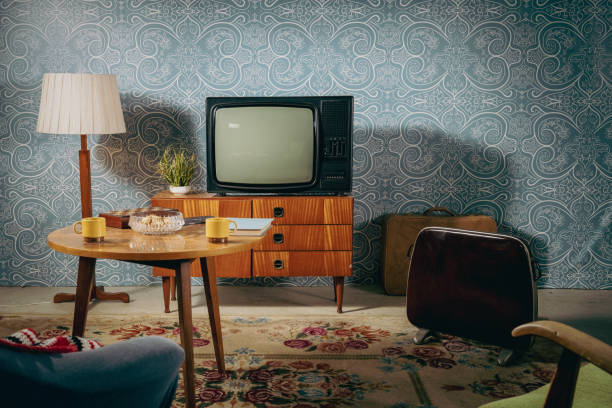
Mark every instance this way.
x=419 y=168
x=124 y=168
x=130 y=160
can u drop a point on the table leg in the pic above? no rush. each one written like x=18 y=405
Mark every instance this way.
x=339 y=291
x=183 y=280
x=85 y=282
x=209 y=276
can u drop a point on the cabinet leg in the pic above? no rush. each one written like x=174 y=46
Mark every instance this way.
x=166 y=280
x=335 y=294
x=339 y=291
x=173 y=287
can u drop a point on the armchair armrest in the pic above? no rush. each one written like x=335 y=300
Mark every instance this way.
x=580 y=343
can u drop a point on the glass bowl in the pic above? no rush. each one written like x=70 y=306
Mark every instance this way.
x=158 y=222
x=155 y=243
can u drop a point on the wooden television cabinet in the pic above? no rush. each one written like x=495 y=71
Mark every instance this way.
x=310 y=236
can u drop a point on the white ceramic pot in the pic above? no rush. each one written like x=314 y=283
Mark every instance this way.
x=180 y=189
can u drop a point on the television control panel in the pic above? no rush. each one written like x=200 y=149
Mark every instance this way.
x=335 y=148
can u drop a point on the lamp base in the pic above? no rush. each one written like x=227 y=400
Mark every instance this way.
x=96 y=293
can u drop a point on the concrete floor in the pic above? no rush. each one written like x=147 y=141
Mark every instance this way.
x=587 y=310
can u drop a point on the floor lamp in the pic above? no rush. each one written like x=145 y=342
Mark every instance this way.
x=82 y=104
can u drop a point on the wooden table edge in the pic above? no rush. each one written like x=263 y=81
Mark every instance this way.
x=98 y=250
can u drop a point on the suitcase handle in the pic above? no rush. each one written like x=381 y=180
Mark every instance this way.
x=409 y=253
x=441 y=209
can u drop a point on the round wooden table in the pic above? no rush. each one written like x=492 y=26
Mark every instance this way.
x=174 y=251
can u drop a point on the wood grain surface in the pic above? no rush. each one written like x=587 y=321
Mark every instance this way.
x=128 y=245
x=305 y=210
x=302 y=263
x=308 y=238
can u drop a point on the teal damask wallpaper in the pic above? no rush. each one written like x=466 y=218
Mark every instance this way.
x=498 y=107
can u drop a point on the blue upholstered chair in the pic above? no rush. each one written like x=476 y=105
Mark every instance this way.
x=139 y=372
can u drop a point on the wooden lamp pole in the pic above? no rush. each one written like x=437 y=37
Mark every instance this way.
x=97 y=292
x=85 y=178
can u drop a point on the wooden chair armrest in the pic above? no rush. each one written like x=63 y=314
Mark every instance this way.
x=587 y=347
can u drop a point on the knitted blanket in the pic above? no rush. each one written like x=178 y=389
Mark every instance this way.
x=28 y=340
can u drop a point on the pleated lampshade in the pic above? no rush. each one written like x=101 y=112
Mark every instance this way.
x=80 y=104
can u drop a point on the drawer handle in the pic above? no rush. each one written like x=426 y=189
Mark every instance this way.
x=278 y=238
x=279 y=212
x=278 y=264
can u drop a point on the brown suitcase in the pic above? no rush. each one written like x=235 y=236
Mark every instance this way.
x=400 y=232
x=471 y=284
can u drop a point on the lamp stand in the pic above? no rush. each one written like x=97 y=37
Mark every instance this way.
x=97 y=292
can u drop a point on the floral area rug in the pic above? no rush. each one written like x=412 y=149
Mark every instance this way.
x=325 y=362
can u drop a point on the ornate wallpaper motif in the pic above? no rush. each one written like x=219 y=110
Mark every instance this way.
x=499 y=107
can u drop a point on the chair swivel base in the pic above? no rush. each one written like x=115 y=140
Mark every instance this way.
x=504 y=357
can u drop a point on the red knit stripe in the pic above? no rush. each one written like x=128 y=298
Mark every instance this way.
x=31 y=335
x=27 y=339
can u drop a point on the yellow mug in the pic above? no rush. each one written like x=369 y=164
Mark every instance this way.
x=218 y=229
x=93 y=229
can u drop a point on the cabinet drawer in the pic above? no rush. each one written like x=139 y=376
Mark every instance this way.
x=308 y=237
x=199 y=208
x=302 y=263
x=236 y=265
x=301 y=210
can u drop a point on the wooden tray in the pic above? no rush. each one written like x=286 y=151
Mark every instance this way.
x=121 y=218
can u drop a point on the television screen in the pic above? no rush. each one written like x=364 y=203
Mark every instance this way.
x=264 y=144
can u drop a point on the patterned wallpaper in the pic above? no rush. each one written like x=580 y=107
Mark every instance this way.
x=497 y=107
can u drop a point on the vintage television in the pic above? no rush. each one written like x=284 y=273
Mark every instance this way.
x=282 y=145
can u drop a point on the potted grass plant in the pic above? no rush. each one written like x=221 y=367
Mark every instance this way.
x=176 y=167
